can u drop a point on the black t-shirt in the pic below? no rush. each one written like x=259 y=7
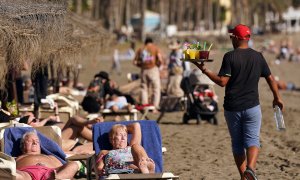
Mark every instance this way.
x=244 y=67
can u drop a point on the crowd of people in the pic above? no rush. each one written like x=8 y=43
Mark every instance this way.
x=241 y=103
x=284 y=50
x=102 y=93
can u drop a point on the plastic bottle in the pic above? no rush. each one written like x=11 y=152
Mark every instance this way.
x=279 y=119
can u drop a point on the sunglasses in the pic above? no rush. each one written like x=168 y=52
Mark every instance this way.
x=232 y=36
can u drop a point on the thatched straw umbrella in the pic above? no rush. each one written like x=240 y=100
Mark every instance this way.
x=83 y=39
x=29 y=29
x=39 y=31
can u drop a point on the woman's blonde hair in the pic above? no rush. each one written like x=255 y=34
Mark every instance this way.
x=114 y=129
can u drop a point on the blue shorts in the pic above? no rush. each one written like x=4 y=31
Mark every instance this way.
x=244 y=128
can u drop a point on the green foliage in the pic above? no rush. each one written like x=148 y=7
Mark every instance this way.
x=85 y=5
x=12 y=108
x=222 y=14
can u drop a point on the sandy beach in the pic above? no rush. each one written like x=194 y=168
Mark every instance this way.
x=204 y=151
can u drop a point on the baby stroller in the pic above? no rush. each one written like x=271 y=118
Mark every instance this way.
x=201 y=104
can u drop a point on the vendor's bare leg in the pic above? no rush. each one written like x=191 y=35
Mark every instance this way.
x=67 y=171
x=252 y=154
x=240 y=161
x=20 y=175
x=141 y=159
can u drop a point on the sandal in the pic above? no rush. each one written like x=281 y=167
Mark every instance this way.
x=249 y=174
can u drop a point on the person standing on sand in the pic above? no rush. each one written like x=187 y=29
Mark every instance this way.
x=116 y=66
x=240 y=73
x=148 y=58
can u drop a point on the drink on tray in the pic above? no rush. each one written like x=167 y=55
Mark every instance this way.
x=204 y=54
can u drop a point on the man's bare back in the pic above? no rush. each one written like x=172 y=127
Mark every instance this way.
x=37 y=159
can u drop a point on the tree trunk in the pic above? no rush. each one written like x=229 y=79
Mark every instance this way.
x=210 y=15
x=217 y=10
x=188 y=14
x=162 y=15
x=166 y=11
x=127 y=12
x=245 y=12
x=119 y=9
x=198 y=11
x=180 y=11
x=78 y=6
x=11 y=88
x=172 y=12
x=237 y=12
x=142 y=20
x=96 y=9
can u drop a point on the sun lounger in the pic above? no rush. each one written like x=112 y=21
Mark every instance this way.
x=7 y=167
x=63 y=113
x=10 y=143
x=45 y=111
x=151 y=141
x=50 y=144
x=65 y=101
x=67 y=106
x=132 y=115
x=155 y=176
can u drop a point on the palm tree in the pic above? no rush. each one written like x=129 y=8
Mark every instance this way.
x=275 y=6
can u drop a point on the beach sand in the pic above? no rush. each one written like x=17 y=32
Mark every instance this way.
x=204 y=151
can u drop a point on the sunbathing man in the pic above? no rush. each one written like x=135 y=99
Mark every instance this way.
x=36 y=166
x=124 y=158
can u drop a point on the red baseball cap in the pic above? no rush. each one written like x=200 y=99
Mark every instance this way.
x=241 y=32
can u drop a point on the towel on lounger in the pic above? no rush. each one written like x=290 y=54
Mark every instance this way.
x=12 y=139
x=151 y=139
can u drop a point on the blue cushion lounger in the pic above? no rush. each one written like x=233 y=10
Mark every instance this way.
x=151 y=139
x=12 y=139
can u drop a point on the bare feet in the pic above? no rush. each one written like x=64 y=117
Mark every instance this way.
x=147 y=165
x=151 y=165
x=143 y=165
x=129 y=107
